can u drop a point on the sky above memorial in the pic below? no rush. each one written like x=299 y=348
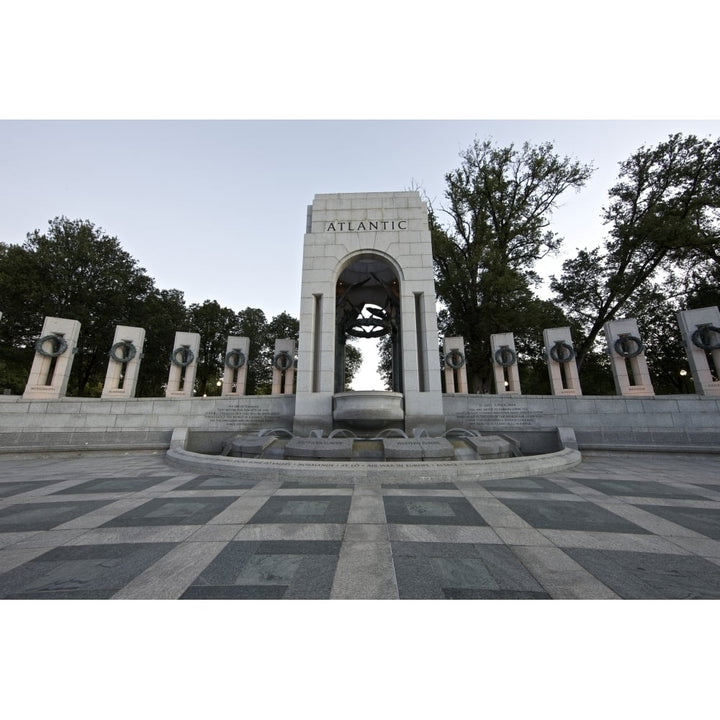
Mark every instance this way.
x=217 y=209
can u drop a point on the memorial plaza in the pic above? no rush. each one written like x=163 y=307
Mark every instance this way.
x=126 y=525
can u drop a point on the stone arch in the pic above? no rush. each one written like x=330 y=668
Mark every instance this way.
x=368 y=305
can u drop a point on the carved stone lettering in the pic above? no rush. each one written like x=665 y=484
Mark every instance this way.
x=249 y=417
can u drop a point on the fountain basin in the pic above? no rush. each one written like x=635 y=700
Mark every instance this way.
x=368 y=409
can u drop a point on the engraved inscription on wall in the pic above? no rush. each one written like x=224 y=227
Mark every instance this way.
x=248 y=417
x=501 y=415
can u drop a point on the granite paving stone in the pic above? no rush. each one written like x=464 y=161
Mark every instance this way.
x=134 y=534
x=43 y=516
x=639 y=488
x=292 y=531
x=705 y=520
x=560 y=575
x=84 y=572
x=8 y=489
x=424 y=510
x=172 y=511
x=462 y=571
x=523 y=484
x=127 y=525
x=112 y=485
x=269 y=570
x=303 y=509
x=651 y=521
x=638 y=575
x=365 y=571
x=211 y=482
x=443 y=533
x=611 y=541
x=170 y=576
x=562 y=515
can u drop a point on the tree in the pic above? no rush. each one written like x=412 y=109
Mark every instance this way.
x=76 y=271
x=499 y=204
x=162 y=314
x=214 y=324
x=353 y=361
x=663 y=214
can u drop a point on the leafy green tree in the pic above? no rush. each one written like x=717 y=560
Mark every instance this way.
x=162 y=314
x=73 y=270
x=663 y=215
x=214 y=324
x=499 y=203
x=252 y=324
x=353 y=361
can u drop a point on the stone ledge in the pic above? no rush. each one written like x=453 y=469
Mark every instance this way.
x=327 y=471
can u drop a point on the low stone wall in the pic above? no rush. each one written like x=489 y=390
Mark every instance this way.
x=679 y=423
x=143 y=423
x=671 y=422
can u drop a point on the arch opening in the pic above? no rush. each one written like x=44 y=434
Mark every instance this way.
x=367 y=306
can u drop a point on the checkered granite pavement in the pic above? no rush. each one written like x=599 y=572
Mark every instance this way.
x=127 y=525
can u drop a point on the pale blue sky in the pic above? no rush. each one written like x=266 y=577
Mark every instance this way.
x=217 y=208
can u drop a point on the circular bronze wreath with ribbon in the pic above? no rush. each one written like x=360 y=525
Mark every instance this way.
x=702 y=338
x=562 y=352
x=128 y=351
x=59 y=345
x=505 y=356
x=186 y=356
x=235 y=359
x=283 y=360
x=622 y=346
x=455 y=359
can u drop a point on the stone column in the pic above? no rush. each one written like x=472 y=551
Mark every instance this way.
x=283 y=367
x=627 y=355
x=183 y=367
x=237 y=354
x=504 y=359
x=124 y=364
x=700 y=330
x=54 y=354
x=560 y=353
x=455 y=370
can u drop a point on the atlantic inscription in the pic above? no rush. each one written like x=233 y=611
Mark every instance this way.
x=365 y=225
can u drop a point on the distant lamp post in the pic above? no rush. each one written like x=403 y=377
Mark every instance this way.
x=683 y=381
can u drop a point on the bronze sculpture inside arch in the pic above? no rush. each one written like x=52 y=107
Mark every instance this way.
x=368 y=306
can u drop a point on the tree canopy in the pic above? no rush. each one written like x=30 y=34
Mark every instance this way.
x=498 y=208
x=662 y=248
x=77 y=271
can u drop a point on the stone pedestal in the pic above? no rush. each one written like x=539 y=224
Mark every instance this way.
x=54 y=354
x=504 y=359
x=455 y=370
x=283 y=371
x=700 y=330
x=237 y=355
x=627 y=355
x=124 y=363
x=183 y=367
x=560 y=353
